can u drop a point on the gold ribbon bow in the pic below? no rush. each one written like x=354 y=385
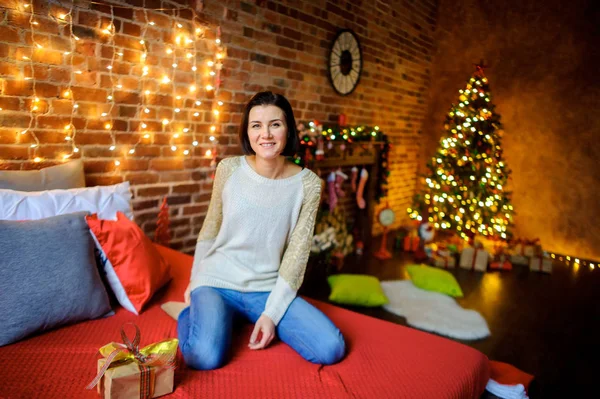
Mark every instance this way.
x=157 y=355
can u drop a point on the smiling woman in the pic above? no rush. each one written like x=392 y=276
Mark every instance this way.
x=268 y=135
x=253 y=248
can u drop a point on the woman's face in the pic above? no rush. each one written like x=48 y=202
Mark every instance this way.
x=267 y=131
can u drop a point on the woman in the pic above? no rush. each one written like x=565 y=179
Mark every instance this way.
x=253 y=247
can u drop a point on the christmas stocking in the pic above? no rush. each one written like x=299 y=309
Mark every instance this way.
x=353 y=178
x=333 y=198
x=339 y=180
x=360 y=200
x=320 y=152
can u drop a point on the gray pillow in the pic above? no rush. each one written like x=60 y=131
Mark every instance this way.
x=59 y=177
x=48 y=275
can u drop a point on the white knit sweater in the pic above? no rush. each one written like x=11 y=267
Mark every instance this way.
x=257 y=233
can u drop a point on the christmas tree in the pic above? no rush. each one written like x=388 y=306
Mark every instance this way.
x=464 y=190
x=163 y=235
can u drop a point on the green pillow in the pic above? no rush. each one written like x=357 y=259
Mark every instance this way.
x=434 y=279
x=356 y=289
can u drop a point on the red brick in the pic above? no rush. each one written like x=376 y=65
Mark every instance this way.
x=89 y=94
x=9 y=34
x=184 y=232
x=167 y=164
x=142 y=178
x=58 y=75
x=178 y=200
x=147 y=151
x=4 y=50
x=14 y=120
x=131 y=29
x=123 y=97
x=14 y=152
x=54 y=151
x=48 y=57
x=152 y=191
x=59 y=122
x=9 y=103
x=130 y=84
x=99 y=180
x=17 y=87
x=85 y=48
x=195 y=209
x=89 y=79
x=51 y=137
x=186 y=188
x=96 y=151
x=176 y=176
x=130 y=164
x=9 y=136
x=4 y=165
x=128 y=112
x=98 y=166
x=295 y=75
x=141 y=205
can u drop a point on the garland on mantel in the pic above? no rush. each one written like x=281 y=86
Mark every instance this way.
x=314 y=136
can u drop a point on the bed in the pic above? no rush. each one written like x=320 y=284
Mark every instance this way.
x=384 y=360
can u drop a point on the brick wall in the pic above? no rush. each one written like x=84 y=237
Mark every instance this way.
x=280 y=46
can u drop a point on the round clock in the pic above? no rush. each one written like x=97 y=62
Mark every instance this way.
x=345 y=62
x=386 y=217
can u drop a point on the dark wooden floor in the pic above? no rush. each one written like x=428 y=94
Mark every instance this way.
x=546 y=325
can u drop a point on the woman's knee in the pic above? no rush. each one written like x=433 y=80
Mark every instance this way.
x=203 y=357
x=333 y=348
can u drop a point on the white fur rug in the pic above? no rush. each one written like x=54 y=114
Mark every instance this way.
x=434 y=312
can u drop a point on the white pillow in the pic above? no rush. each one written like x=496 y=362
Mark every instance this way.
x=106 y=201
x=59 y=177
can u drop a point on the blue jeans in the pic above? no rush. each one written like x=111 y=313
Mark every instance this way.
x=206 y=326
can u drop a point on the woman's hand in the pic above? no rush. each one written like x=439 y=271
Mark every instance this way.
x=186 y=295
x=264 y=329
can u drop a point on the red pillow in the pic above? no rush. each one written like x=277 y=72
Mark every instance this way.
x=134 y=268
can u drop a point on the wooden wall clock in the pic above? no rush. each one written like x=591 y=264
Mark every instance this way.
x=345 y=62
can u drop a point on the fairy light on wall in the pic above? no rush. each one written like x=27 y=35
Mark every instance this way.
x=184 y=124
x=70 y=130
x=109 y=122
x=174 y=109
x=34 y=106
x=143 y=110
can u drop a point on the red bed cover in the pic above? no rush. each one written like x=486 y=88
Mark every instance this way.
x=384 y=360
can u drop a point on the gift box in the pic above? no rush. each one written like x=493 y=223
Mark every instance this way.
x=501 y=265
x=540 y=264
x=444 y=262
x=519 y=259
x=526 y=248
x=491 y=245
x=474 y=259
x=501 y=261
x=127 y=372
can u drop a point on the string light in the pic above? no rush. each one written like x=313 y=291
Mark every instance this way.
x=185 y=57
x=71 y=131
x=109 y=125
